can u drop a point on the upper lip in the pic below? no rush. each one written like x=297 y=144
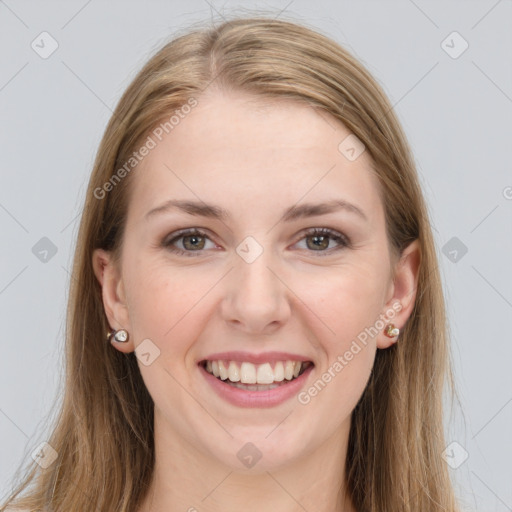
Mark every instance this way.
x=264 y=357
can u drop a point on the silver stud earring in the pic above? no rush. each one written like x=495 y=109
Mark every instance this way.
x=120 y=336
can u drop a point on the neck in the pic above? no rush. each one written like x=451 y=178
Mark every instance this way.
x=187 y=479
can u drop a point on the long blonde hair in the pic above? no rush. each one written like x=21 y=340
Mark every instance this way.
x=104 y=430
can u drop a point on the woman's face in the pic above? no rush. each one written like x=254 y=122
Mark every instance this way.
x=255 y=285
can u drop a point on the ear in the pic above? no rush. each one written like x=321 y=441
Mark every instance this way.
x=402 y=294
x=112 y=290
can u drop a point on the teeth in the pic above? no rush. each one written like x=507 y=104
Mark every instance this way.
x=233 y=372
x=279 y=372
x=265 y=374
x=223 y=371
x=289 y=367
x=248 y=373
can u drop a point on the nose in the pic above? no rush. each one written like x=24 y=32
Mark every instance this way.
x=257 y=299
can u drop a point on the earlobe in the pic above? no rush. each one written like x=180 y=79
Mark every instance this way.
x=404 y=288
x=116 y=311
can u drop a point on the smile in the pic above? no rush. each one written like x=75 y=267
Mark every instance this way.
x=249 y=373
x=245 y=384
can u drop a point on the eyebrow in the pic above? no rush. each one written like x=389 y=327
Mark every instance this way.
x=201 y=209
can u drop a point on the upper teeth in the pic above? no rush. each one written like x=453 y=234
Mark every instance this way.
x=248 y=373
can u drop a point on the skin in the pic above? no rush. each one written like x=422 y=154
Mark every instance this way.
x=254 y=158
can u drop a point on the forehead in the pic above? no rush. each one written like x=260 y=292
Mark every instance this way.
x=246 y=152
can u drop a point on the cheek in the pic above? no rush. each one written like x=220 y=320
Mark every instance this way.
x=166 y=307
x=163 y=302
x=349 y=305
x=349 y=301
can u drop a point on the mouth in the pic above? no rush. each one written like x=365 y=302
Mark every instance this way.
x=255 y=377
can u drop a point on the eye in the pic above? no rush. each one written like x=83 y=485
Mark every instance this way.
x=320 y=239
x=192 y=240
x=195 y=241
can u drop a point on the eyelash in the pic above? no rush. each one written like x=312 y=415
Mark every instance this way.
x=340 y=238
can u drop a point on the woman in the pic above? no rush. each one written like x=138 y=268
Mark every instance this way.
x=256 y=319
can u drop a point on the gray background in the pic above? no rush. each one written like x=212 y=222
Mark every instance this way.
x=456 y=112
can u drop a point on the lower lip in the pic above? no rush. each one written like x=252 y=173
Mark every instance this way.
x=263 y=399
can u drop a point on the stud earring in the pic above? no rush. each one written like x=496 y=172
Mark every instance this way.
x=391 y=331
x=120 y=336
